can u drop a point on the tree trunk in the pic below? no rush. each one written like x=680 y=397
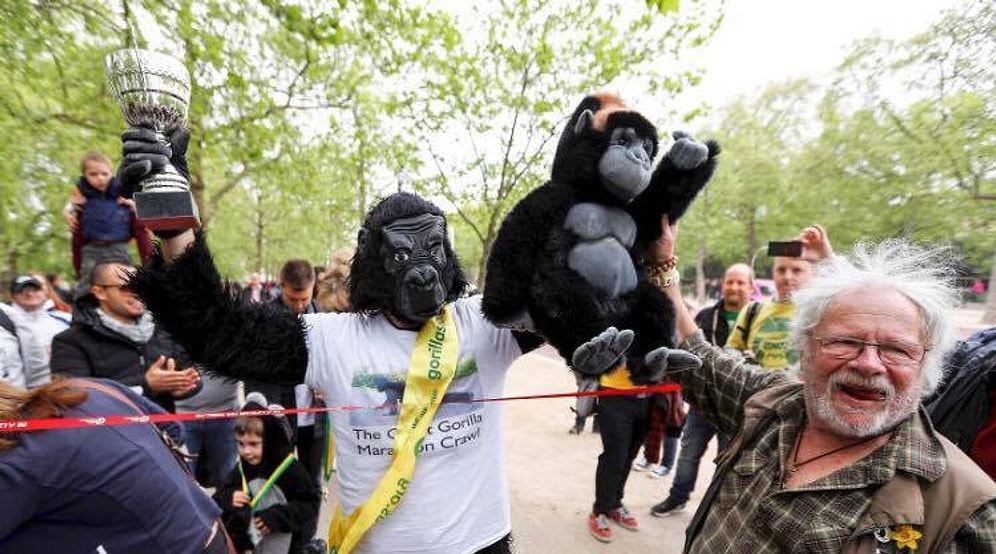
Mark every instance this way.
x=482 y=266
x=751 y=236
x=259 y=230
x=700 y=278
x=9 y=274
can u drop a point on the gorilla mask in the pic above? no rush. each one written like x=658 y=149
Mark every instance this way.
x=404 y=266
x=415 y=258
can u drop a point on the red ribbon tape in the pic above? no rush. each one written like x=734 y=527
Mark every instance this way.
x=19 y=426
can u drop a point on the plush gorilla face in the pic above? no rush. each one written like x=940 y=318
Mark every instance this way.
x=413 y=253
x=626 y=164
x=607 y=145
x=404 y=265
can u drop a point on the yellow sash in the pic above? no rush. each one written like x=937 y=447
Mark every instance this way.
x=433 y=365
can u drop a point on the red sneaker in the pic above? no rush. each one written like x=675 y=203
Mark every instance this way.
x=598 y=526
x=625 y=519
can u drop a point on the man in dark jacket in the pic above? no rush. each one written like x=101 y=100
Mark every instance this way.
x=715 y=322
x=112 y=336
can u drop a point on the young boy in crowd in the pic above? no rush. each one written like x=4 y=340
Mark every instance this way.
x=269 y=497
x=102 y=221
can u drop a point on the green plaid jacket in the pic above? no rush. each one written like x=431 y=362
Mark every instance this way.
x=751 y=512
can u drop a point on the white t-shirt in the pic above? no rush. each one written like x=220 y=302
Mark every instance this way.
x=457 y=502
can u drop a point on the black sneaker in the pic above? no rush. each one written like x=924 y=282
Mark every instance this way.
x=668 y=507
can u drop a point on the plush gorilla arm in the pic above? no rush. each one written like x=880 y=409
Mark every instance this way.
x=228 y=335
x=679 y=177
x=516 y=254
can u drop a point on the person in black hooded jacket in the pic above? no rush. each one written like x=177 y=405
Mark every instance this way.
x=276 y=524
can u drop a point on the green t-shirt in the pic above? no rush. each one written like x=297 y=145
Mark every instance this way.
x=731 y=318
x=768 y=336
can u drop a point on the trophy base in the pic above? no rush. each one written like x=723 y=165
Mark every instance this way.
x=167 y=211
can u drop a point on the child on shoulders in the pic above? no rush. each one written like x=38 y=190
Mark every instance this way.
x=101 y=220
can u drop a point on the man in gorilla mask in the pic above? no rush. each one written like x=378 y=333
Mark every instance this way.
x=412 y=337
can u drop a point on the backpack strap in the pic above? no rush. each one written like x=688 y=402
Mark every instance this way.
x=752 y=309
x=7 y=323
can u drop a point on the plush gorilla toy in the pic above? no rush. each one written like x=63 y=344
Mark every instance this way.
x=569 y=258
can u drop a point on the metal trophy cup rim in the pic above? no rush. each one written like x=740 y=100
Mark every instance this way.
x=153 y=91
x=141 y=72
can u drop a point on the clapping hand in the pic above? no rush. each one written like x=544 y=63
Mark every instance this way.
x=163 y=377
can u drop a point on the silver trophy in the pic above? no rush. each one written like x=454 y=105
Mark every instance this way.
x=153 y=91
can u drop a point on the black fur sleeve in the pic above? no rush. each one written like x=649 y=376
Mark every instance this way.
x=226 y=334
x=520 y=241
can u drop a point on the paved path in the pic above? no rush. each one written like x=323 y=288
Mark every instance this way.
x=552 y=473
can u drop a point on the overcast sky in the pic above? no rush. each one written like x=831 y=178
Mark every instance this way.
x=762 y=41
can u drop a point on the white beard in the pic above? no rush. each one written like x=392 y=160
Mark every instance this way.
x=897 y=406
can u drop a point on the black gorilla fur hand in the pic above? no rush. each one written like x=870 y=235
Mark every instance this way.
x=145 y=154
x=571 y=254
x=226 y=334
x=404 y=265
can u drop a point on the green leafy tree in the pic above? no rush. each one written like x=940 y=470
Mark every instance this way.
x=936 y=154
x=747 y=202
x=289 y=114
x=52 y=109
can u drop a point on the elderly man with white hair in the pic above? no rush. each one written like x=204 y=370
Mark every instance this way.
x=845 y=460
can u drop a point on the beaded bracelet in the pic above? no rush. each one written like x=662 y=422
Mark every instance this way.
x=664 y=274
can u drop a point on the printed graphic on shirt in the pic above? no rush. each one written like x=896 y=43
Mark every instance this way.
x=457 y=422
x=771 y=343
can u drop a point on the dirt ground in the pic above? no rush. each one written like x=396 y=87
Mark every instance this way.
x=551 y=473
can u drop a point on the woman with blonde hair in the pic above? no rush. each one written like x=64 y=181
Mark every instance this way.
x=333 y=285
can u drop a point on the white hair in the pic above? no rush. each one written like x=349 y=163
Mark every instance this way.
x=925 y=276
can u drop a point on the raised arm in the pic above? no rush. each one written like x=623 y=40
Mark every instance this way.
x=182 y=288
x=681 y=174
x=721 y=386
x=227 y=335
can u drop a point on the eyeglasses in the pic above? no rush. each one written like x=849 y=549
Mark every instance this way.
x=124 y=288
x=890 y=353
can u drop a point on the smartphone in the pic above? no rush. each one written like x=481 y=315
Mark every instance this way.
x=788 y=249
